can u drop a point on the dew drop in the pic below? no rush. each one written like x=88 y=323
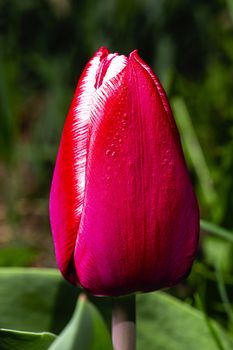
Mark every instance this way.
x=108 y=152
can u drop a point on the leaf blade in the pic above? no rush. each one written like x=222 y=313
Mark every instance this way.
x=12 y=339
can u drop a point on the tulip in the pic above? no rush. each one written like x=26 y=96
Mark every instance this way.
x=123 y=213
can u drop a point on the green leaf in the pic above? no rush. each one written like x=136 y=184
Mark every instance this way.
x=40 y=300
x=165 y=323
x=210 y=325
x=35 y=300
x=194 y=152
x=86 y=330
x=223 y=294
x=11 y=339
x=218 y=252
x=217 y=231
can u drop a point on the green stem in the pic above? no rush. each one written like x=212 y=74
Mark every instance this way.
x=123 y=323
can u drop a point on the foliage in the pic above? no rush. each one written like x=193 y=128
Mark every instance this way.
x=29 y=307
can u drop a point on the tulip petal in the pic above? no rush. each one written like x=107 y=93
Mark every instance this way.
x=160 y=91
x=140 y=220
x=67 y=191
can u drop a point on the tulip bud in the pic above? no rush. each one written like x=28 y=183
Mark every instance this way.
x=123 y=213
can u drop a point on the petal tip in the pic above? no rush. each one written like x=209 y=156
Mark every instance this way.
x=134 y=53
x=102 y=52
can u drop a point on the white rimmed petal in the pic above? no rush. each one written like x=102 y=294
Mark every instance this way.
x=67 y=191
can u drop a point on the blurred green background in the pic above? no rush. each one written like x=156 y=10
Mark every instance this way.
x=44 y=46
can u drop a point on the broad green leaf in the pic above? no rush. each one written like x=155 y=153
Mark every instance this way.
x=40 y=300
x=85 y=331
x=35 y=300
x=16 y=340
x=165 y=323
x=213 y=331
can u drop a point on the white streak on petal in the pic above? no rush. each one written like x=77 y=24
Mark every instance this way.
x=115 y=67
x=80 y=126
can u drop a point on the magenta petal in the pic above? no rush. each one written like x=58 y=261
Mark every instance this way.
x=140 y=221
x=67 y=191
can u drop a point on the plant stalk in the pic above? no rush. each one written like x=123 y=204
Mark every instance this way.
x=124 y=323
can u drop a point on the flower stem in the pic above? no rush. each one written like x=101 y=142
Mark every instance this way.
x=123 y=323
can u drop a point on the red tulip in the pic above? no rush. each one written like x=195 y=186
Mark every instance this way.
x=123 y=212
